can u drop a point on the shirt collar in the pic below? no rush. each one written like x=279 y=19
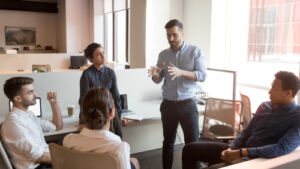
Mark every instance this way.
x=286 y=107
x=181 y=49
x=101 y=70
x=19 y=111
x=99 y=134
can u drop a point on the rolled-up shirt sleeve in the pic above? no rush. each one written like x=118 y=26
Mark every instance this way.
x=241 y=138
x=159 y=63
x=17 y=138
x=288 y=143
x=46 y=125
x=200 y=66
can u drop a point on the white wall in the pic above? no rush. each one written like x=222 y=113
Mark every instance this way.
x=77 y=25
x=66 y=83
x=197 y=24
x=158 y=14
x=45 y=24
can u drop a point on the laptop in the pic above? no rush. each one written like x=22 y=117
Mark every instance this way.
x=36 y=109
x=124 y=104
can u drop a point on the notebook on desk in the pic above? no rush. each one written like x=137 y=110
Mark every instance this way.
x=36 y=109
x=126 y=113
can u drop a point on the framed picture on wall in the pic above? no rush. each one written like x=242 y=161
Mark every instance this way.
x=20 y=35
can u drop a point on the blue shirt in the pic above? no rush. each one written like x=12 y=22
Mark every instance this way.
x=271 y=133
x=187 y=58
x=105 y=77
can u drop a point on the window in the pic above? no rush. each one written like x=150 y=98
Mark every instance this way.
x=116 y=29
x=274 y=30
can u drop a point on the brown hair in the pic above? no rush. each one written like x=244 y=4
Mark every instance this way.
x=96 y=106
x=13 y=86
x=172 y=23
x=89 y=50
x=289 y=81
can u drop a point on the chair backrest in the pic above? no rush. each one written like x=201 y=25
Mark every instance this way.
x=246 y=111
x=63 y=158
x=221 y=118
x=5 y=162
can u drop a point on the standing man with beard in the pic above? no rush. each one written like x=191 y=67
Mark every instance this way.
x=22 y=131
x=180 y=66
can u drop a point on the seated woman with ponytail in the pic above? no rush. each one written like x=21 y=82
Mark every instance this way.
x=98 y=111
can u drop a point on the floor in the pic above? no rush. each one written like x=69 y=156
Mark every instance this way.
x=152 y=159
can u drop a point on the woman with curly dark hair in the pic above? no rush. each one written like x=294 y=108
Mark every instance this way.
x=99 y=75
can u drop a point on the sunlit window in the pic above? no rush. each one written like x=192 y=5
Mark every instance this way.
x=274 y=30
x=116 y=30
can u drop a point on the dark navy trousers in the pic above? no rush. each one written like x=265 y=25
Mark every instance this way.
x=173 y=113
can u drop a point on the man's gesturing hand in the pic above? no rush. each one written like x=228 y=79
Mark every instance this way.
x=154 y=71
x=174 y=71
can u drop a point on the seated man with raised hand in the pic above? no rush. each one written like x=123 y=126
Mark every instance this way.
x=273 y=131
x=98 y=110
x=22 y=131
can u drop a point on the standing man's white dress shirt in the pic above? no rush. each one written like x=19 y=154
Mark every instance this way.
x=22 y=134
x=100 y=141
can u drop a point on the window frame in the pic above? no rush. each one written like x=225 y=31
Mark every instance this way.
x=114 y=31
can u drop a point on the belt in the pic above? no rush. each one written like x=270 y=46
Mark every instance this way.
x=180 y=101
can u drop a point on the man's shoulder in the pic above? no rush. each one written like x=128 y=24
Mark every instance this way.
x=13 y=117
x=264 y=107
x=165 y=51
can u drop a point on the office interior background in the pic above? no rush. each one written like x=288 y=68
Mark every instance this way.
x=255 y=38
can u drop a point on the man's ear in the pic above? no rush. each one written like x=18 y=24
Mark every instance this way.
x=17 y=99
x=290 y=93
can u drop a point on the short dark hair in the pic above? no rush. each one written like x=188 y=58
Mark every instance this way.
x=172 y=23
x=289 y=81
x=96 y=106
x=89 y=50
x=13 y=86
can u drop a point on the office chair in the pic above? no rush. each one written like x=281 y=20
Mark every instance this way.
x=64 y=158
x=5 y=162
x=246 y=111
x=221 y=119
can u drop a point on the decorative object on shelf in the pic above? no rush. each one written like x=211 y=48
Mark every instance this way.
x=2 y=50
x=38 y=47
x=48 y=47
x=20 y=35
x=25 y=48
x=41 y=68
x=77 y=62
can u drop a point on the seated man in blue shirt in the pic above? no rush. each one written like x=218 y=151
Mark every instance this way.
x=273 y=131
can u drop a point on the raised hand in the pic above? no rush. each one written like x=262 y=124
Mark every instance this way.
x=154 y=70
x=52 y=97
x=174 y=71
